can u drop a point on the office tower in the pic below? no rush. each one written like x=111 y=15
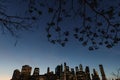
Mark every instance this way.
x=65 y=71
x=102 y=72
x=61 y=68
x=81 y=68
x=26 y=70
x=87 y=72
x=95 y=72
x=72 y=71
x=16 y=75
x=95 y=75
x=35 y=75
x=80 y=74
x=48 y=70
x=64 y=65
x=58 y=70
x=92 y=76
x=76 y=69
x=36 y=72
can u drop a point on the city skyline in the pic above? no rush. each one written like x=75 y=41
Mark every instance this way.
x=61 y=72
x=33 y=48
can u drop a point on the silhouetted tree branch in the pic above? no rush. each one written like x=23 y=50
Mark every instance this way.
x=12 y=23
x=99 y=24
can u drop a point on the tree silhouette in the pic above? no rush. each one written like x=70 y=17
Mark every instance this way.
x=12 y=23
x=99 y=21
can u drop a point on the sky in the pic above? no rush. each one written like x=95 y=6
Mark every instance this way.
x=38 y=52
x=34 y=49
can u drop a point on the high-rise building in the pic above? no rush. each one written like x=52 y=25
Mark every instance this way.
x=76 y=69
x=58 y=70
x=72 y=71
x=26 y=70
x=95 y=75
x=102 y=72
x=65 y=71
x=80 y=74
x=16 y=75
x=87 y=72
x=81 y=68
x=36 y=72
x=48 y=70
x=35 y=75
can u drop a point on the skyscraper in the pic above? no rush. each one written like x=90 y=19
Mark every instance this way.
x=16 y=75
x=58 y=70
x=95 y=75
x=65 y=71
x=72 y=71
x=102 y=72
x=36 y=72
x=76 y=69
x=81 y=68
x=87 y=72
x=26 y=70
x=48 y=70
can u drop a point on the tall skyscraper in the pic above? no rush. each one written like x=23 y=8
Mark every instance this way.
x=48 y=70
x=58 y=70
x=72 y=71
x=95 y=75
x=76 y=69
x=81 y=68
x=26 y=70
x=61 y=67
x=65 y=71
x=16 y=75
x=87 y=72
x=102 y=72
x=36 y=72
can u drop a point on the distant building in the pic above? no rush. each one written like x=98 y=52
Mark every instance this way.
x=87 y=72
x=16 y=75
x=36 y=72
x=61 y=73
x=58 y=71
x=102 y=72
x=95 y=75
x=25 y=72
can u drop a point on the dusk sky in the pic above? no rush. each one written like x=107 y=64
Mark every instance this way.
x=34 y=49
x=38 y=52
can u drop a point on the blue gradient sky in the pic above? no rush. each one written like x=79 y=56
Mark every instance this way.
x=36 y=51
x=33 y=49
